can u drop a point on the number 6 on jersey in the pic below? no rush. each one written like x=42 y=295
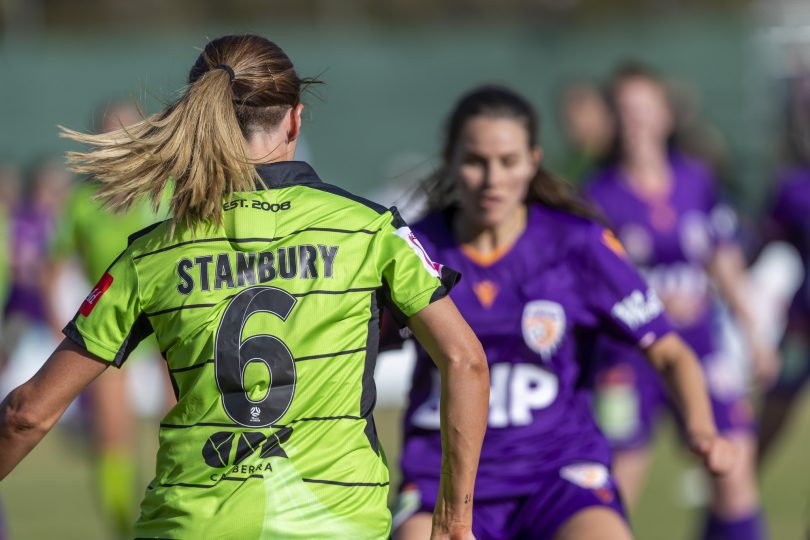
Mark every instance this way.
x=232 y=356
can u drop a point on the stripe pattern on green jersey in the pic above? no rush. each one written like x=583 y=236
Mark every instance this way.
x=269 y=324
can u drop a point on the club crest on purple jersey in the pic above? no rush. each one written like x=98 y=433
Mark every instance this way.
x=543 y=327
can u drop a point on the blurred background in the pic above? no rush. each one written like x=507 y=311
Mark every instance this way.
x=393 y=69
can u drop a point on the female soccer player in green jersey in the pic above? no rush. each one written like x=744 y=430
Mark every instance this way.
x=264 y=293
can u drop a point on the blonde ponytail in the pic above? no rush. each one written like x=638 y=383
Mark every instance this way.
x=198 y=142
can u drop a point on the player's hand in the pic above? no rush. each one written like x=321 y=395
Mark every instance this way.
x=718 y=453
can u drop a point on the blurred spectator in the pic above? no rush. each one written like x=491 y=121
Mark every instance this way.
x=588 y=126
x=10 y=185
x=32 y=225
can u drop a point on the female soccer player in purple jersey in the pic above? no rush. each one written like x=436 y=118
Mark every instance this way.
x=542 y=276
x=666 y=214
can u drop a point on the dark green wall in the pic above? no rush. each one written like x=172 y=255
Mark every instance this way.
x=388 y=88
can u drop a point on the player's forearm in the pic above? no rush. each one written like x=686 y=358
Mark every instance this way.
x=464 y=410
x=683 y=376
x=19 y=431
x=728 y=270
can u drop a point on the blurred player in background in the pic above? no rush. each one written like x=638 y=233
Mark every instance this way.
x=667 y=215
x=9 y=190
x=95 y=236
x=9 y=196
x=264 y=292
x=789 y=221
x=588 y=127
x=542 y=277
x=32 y=224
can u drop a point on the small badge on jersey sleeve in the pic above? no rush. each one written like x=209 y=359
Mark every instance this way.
x=92 y=299
x=433 y=268
x=543 y=327
x=613 y=244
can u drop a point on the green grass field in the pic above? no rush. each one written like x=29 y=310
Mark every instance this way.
x=50 y=494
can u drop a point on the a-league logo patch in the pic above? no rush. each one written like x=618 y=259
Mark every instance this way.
x=543 y=327
x=92 y=299
x=433 y=268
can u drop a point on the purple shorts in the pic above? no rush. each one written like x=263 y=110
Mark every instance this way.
x=629 y=398
x=538 y=516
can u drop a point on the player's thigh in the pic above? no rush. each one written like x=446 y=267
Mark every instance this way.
x=416 y=527
x=630 y=470
x=594 y=523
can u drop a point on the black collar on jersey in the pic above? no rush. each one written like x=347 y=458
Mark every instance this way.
x=286 y=173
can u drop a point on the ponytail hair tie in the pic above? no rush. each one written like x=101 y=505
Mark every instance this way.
x=228 y=69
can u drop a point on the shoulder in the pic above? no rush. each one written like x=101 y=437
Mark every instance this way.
x=564 y=233
x=346 y=197
x=602 y=184
x=693 y=172
x=793 y=179
x=560 y=222
x=433 y=231
x=150 y=238
x=352 y=210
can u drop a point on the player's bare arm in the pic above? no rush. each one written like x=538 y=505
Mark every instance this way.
x=681 y=371
x=32 y=409
x=448 y=339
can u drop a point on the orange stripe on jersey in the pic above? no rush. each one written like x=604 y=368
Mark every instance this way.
x=484 y=259
x=613 y=243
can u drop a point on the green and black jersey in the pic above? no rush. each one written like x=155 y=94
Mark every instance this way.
x=269 y=324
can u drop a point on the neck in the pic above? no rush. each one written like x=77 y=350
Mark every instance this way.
x=647 y=169
x=269 y=146
x=490 y=239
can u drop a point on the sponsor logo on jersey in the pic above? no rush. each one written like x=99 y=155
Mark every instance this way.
x=586 y=475
x=229 y=449
x=637 y=309
x=613 y=244
x=543 y=327
x=433 y=268
x=486 y=291
x=92 y=299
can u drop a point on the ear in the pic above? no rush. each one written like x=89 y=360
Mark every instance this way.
x=537 y=155
x=294 y=128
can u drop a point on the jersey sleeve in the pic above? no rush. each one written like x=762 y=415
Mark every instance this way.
x=110 y=322
x=411 y=280
x=617 y=296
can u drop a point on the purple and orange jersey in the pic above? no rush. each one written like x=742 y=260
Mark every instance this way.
x=534 y=307
x=672 y=239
